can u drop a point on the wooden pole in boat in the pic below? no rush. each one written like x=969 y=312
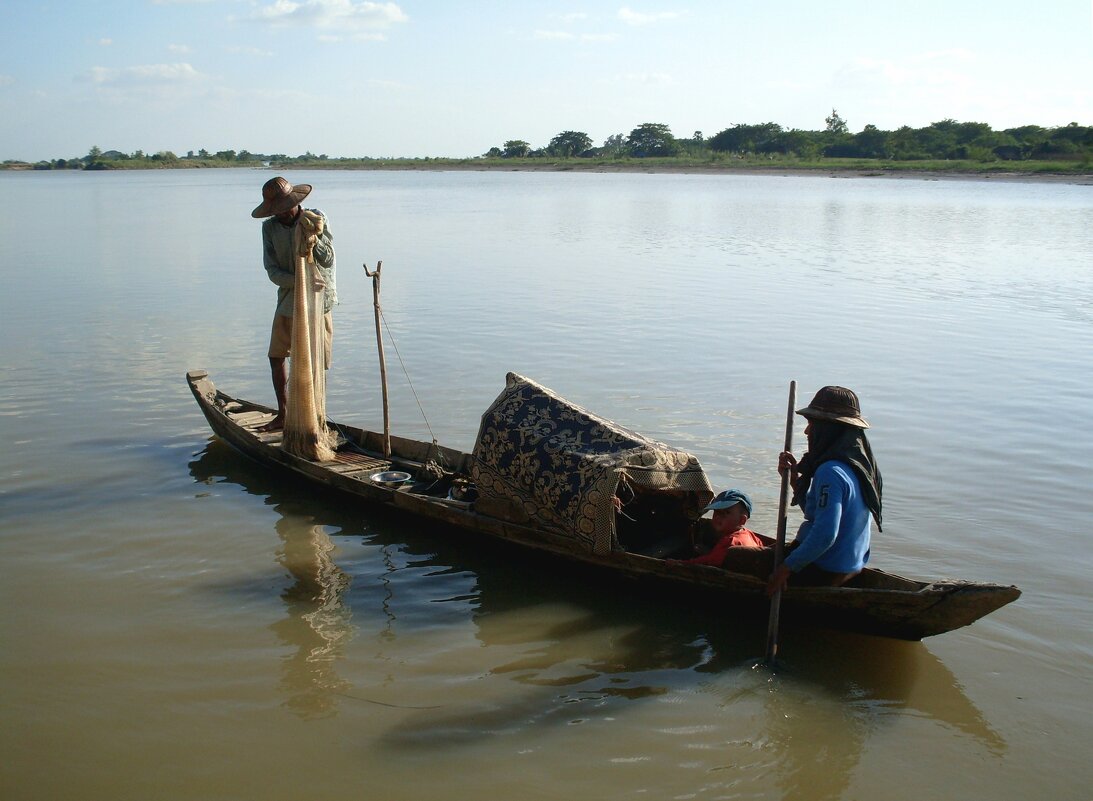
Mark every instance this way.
x=375 y=276
x=780 y=541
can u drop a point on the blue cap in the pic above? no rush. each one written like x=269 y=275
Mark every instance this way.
x=728 y=499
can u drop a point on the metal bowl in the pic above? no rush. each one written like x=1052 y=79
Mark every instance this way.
x=391 y=478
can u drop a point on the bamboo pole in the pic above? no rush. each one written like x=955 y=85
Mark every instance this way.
x=780 y=541
x=375 y=276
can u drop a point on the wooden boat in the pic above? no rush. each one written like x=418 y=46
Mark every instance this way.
x=549 y=476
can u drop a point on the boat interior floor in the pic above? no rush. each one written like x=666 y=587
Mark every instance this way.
x=676 y=546
x=353 y=461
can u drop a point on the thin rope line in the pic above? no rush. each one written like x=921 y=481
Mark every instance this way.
x=402 y=364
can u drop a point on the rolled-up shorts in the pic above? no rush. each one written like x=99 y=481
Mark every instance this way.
x=280 y=339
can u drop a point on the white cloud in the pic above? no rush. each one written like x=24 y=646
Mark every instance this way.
x=554 y=35
x=181 y=49
x=937 y=69
x=952 y=54
x=362 y=36
x=872 y=71
x=646 y=78
x=345 y=15
x=143 y=75
x=104 y=42
x=6 y=80
x=392 y=85
x=566 y=36
x=631 y=17
x=926 y=87
x=250 y=51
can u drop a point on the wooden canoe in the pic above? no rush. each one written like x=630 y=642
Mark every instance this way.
x=440 y=488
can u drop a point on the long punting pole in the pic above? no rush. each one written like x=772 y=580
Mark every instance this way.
x=375 y=276
x=780 y=542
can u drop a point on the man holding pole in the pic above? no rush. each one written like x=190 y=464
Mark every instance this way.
x=838 y=485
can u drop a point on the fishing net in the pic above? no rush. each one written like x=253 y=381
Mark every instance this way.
x=306 y=434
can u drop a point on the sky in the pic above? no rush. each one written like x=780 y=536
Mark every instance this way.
x=417 y=78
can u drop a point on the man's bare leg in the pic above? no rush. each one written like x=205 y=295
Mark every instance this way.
x=280 y=382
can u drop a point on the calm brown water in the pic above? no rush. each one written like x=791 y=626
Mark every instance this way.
x=179 y=623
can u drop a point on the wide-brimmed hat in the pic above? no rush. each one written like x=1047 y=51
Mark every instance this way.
x=278 y=196
x=728 y=499
x=837 y=404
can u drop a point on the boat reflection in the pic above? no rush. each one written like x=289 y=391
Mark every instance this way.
x=578 y=649
x=873 y=673
x=317 y=623
x=831 y=692
x=560 y=648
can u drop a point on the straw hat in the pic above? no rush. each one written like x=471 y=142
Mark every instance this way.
x=838 y=404
x=278 y=196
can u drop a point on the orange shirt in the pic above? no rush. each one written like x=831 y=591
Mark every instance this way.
x=741 y=538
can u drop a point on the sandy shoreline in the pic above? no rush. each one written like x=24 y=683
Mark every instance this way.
x=654 y=168
x=720 y=169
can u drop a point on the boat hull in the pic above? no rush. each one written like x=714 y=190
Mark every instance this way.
x=878 y=603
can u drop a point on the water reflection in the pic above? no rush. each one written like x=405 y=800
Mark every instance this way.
x=576 y=654
x=882 y=676
x=833 y=691
x=317 y=623
x=558 y=649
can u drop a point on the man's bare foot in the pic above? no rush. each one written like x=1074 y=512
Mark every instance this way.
x=276 y=424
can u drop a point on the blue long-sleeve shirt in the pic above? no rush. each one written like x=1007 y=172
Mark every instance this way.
x=836 y=532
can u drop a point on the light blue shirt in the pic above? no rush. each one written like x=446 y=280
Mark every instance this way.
x=279 y=259
x=837 y=528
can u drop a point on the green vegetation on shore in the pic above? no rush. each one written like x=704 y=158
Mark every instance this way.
x=946 y=146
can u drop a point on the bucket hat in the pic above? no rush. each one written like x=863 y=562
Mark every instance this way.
x=278 y=196
x=837 y=404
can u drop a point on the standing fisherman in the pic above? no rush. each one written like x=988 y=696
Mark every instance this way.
x=281 y=204
x=838 y=485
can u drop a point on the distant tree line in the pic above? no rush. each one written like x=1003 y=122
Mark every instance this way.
x=98 y=159
x=944 y=140
x=947 y=139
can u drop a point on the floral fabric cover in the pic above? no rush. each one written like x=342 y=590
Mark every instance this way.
x=545 y=462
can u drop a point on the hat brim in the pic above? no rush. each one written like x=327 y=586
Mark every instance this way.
x=715 y=505
x=290 y=201
x=721 y=506
x=809 y=413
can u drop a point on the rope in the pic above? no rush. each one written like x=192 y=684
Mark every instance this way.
x=413 y=391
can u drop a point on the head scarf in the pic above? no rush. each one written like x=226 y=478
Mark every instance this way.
x=844 y=443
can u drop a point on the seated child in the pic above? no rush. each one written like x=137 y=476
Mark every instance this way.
x=731 y=510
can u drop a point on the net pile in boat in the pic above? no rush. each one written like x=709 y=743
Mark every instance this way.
x=554 y=464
